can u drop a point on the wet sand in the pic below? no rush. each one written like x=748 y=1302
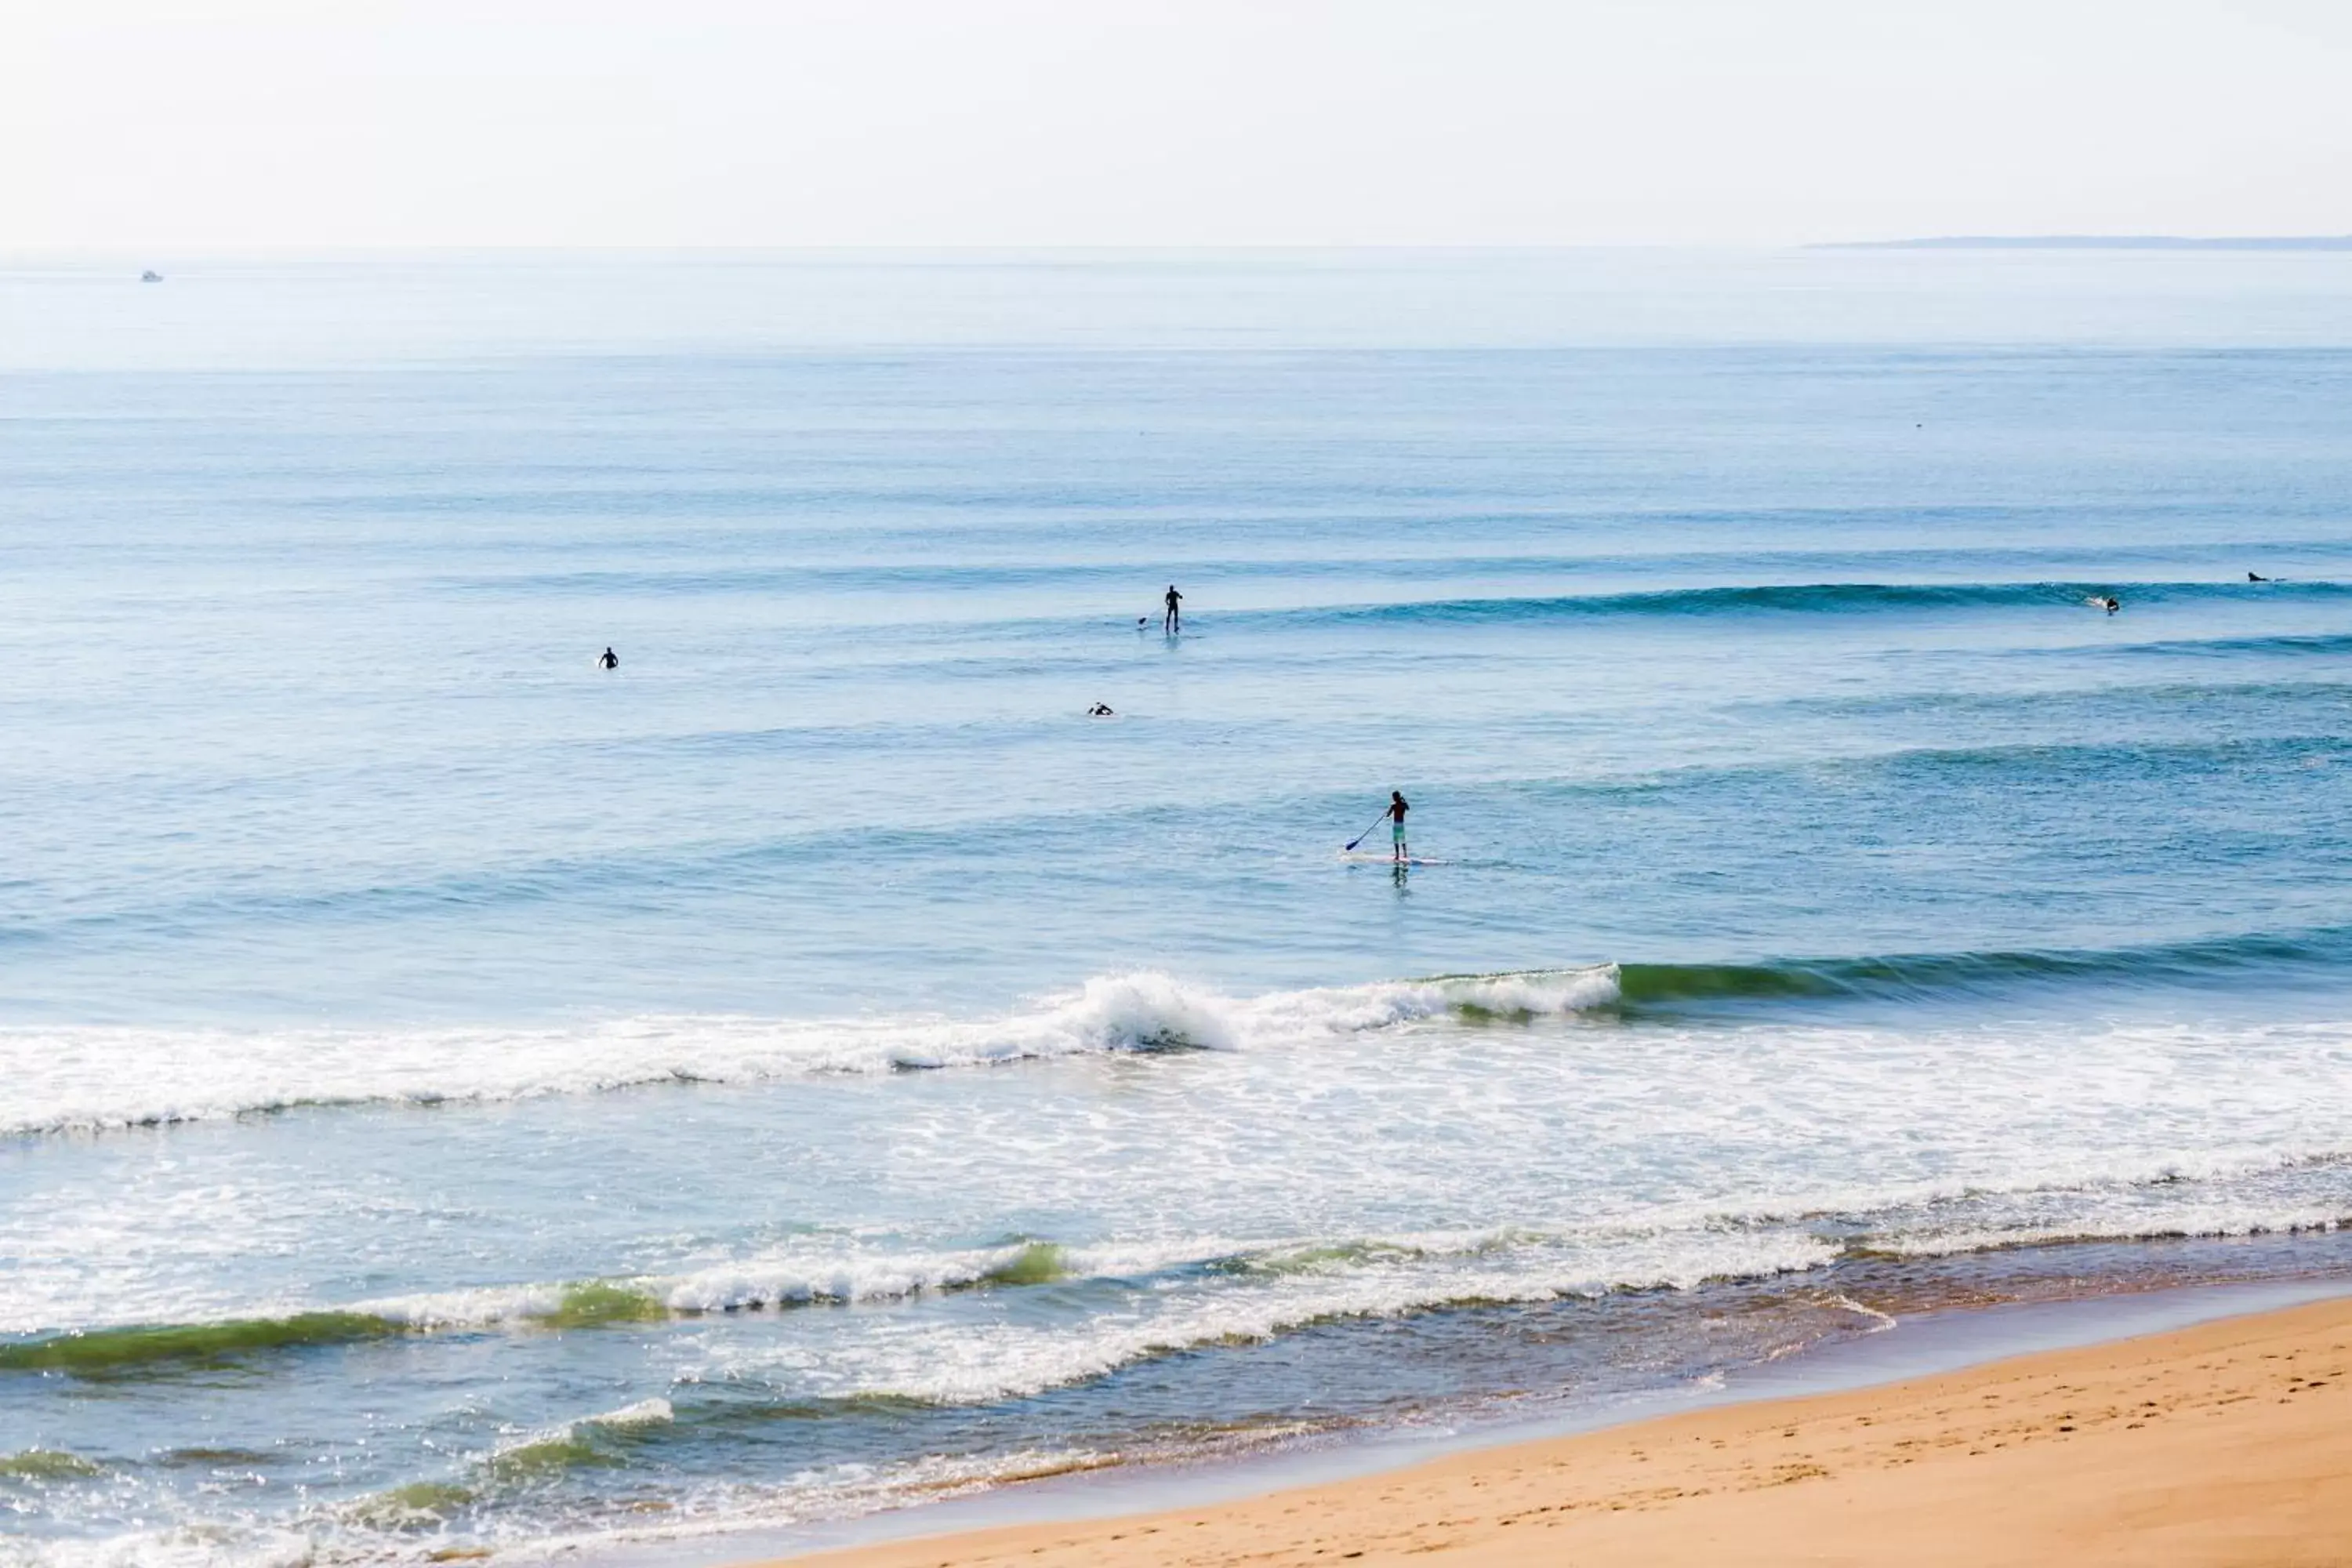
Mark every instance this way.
x=2227 y=1443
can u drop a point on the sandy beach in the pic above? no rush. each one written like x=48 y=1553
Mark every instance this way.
x=2227 y=1443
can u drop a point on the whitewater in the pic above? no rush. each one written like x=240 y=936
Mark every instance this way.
x=97 y=1078
x=455 y=1097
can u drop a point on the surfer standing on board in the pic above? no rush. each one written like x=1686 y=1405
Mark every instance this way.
x=1397 y=808
x=1173 y=621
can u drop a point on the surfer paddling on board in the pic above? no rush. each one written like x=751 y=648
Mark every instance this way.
x=1173 y=621
x=1397 y=808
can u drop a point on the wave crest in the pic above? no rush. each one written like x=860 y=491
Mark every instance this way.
x=68 y=1079
x=94 y=1079
x=1812 y=598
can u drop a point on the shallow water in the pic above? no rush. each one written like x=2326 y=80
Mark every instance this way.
x=457 y=1096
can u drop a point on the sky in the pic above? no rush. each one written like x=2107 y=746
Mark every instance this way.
x=269 y=124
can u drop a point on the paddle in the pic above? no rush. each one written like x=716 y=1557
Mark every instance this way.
x=1367 y=833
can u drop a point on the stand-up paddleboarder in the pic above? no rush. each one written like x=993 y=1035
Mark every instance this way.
x=1397 y=808
x=1173 y=621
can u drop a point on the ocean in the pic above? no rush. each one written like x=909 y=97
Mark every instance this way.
x=459 y=1098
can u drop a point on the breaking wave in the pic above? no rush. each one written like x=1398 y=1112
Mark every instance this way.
x=77 y=1078
x=1236 y=1291
x=86 y=1079
x=1156 y=1297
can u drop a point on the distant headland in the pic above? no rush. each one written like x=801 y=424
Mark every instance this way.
x=2098 y=242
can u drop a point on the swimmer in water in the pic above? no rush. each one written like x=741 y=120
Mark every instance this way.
x=610 y=660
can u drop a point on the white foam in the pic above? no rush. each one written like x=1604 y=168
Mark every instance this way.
x=844 y=1490
x=791 y=1276
x=477 y=1308
x=807 y=1276
x=2065 y=1198
x=82 y=1078
x=2204 y=1220
x=796 y=1280
x=644 y=1413
x=983 y=1364
x=177 y=1546
x=1373 y=1273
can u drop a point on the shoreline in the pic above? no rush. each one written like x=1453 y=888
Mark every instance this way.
x=1953 y=1339
x=2221 y=1441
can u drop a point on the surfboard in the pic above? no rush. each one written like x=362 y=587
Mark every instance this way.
x=1368 y=858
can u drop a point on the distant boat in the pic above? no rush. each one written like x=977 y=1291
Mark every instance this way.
x=151 y=276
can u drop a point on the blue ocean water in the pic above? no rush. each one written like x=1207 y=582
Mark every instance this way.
x=453 y=1096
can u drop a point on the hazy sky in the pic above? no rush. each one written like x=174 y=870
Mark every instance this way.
x=249 y=123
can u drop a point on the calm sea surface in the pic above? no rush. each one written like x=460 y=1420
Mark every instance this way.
x=453 y=1096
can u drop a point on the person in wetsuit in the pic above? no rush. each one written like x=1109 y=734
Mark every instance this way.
x=1173 y=621
x=610 y=660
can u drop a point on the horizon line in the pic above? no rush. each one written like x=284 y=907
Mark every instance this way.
x=163 y=249
x=2097 y=242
